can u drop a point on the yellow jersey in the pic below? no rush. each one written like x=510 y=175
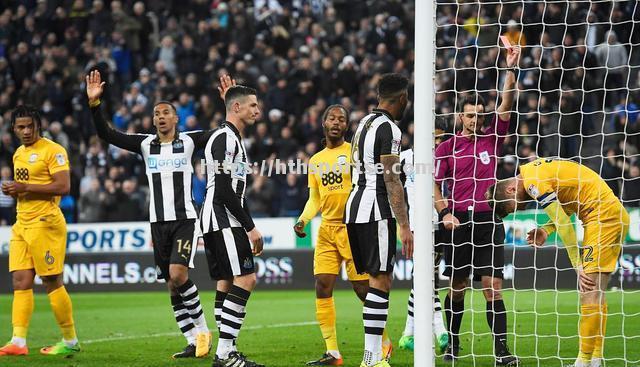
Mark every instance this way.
x=36 y=164
x=578 y=189
x=329 y=172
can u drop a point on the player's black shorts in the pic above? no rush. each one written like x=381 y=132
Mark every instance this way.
x=174 y=242
x=228 y=253
x=476 y=246
x=373 y=246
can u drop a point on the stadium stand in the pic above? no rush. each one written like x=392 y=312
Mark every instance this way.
x=302 y=56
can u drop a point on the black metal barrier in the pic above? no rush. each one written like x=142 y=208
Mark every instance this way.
x=525 y=268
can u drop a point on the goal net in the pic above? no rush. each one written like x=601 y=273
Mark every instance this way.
x=577 y=98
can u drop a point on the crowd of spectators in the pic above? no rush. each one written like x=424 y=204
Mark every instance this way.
x=301 y=56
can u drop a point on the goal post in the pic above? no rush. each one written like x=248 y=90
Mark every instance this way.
x=577 y=98
x=423 y=102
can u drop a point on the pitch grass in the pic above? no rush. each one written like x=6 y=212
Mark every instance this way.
x=137 y=329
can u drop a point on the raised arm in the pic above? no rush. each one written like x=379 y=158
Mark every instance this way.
x=509 y=90
x=200 y=138
x=95 y=88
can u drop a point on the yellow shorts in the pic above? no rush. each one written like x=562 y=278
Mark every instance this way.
x=332 y=248
x=40 y=246
x=603 y=242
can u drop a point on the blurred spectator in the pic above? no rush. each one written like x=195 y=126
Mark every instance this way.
x=292 y=197
x=7 y=203
x=260 y=195
x=68 y=207
x=303 y=56
x=124 y=204
x=615 y=57
x=631 y=188
x=90 y=207
x=199 y=184
x=56 y=134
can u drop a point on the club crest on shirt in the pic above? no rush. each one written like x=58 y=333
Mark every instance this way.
x=248 y=263
x=33 y=157
x=533 y=191
x=60 y=159
x=395 y=146
x=49 y=259
x=484 y=157
x=342 y=160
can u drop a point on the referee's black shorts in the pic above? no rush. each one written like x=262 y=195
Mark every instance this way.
x=373 y=246
x=477 y=246
x=228 y=253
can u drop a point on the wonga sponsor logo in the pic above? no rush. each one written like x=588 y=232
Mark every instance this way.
x=159 y=164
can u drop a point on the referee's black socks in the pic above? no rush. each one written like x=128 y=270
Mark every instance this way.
x=497 y=320
x=454 y=312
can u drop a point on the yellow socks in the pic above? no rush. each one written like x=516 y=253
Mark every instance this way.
x=385 y=336
x=598 y=347
x=326 y=316
x=63 y=311
x=21 y=312
x=590 y=318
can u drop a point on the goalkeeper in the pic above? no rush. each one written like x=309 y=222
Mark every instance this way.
x=563 y=188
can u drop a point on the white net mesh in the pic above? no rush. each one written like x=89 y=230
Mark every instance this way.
x=577 y=98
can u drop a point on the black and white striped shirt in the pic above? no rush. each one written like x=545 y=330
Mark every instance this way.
x=225 y=205
x=169 y=167
x=377 y=135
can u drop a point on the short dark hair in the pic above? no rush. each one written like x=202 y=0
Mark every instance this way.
x=496 y=196
x=472 y=98
x=326 y=111
x=166 y=102
x=238 y=91
x=27 y=111
x=391 y=85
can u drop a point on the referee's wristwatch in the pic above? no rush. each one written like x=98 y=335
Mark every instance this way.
x=513 y=69
x=442 y=213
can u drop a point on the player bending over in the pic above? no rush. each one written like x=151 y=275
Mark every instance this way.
x=39 y=236
x=329 y=187
x=563 y=188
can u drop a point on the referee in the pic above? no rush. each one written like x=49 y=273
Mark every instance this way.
x=467 y=162
x=375 y=203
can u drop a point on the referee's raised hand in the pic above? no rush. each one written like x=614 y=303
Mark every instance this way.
x=406 y=238
x=256 y=240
